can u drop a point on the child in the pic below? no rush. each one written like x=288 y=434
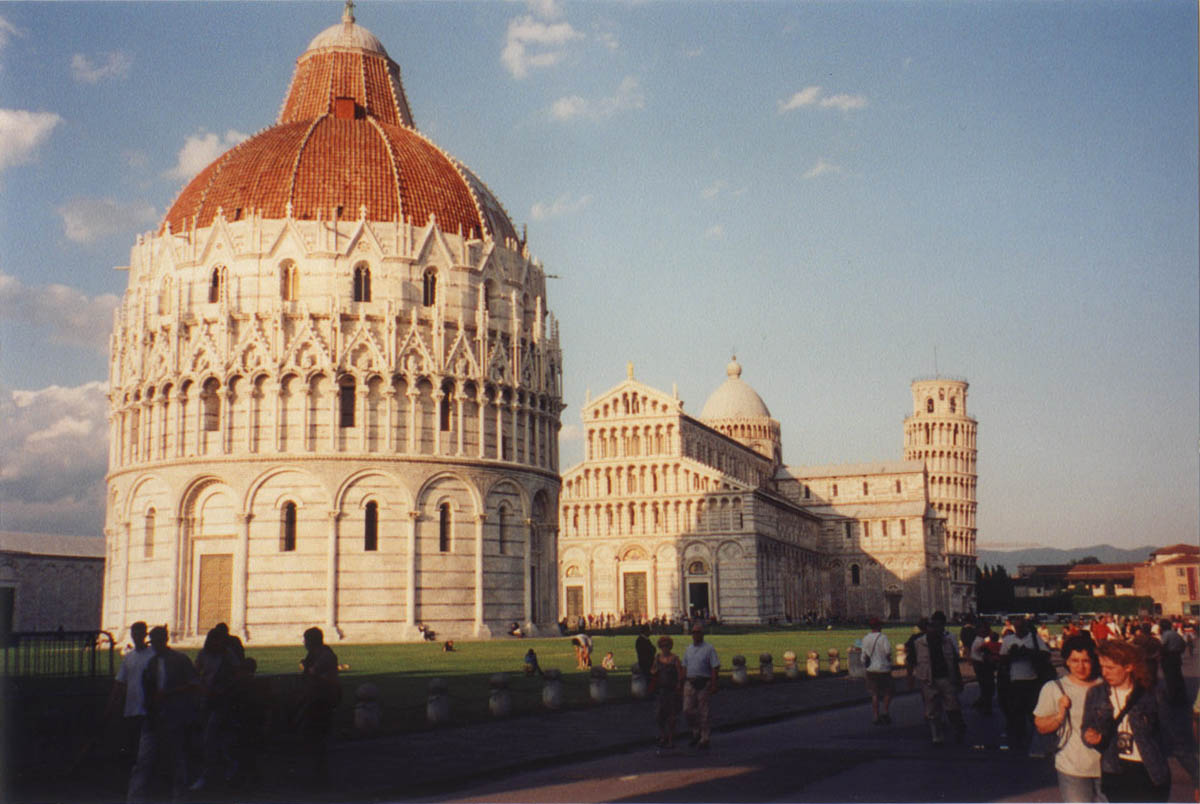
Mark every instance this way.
x=666 y=676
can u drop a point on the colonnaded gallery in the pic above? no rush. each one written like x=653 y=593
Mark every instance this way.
x=335 y=385
x=670 y=514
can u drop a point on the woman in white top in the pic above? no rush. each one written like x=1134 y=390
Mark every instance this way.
x=1059 y=709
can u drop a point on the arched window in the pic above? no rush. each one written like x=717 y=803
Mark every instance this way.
x=953 y=403
x=289 y=281
x=697 y=568
x=883 y=527
x=834 y=489
x=866 y=526
x=214 y=285
x=444 y=527
x=210 y=404
x=444 y=409
x=486 y=290
x=864 y=487
x=362 y=282
x=164 y=296
x=846 y=527
x=287 y=530
x=929 y=405
x=897 y=486
x=807 y=492
x=371 y=527
x=855 y=575
x=502 y=527
x=429 y=287
x=148 y=543
x=346 y=402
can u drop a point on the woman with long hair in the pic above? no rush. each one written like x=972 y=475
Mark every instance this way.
x=1121 y=720
x=1059 y=711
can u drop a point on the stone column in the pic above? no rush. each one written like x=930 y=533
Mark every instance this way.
x=331 y=576
x=617 y=586
x=410 y=594
x=306 y=427
x=147 y=432
x=180 y=424
x=277 y=433
x=335 y=429
x=125 y=529
x=481 y=403
x=528 y=417
x=714 y=603
x=480 y=521
x=361 y=400
x=499 y=426
x=526 y=609
x=182 y=527
x=225 y=422
x=515 y=406
x=412 y=421
x=438 y=397
x=652 y=588
x=241 y=574
x=459 y=423
x=389 y=408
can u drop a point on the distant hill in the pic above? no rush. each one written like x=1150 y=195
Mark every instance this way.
x=1053 y=555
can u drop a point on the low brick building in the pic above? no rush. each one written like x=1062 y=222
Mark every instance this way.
x=1172 y=578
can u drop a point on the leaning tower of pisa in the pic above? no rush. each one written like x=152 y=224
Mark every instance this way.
x=940 y=433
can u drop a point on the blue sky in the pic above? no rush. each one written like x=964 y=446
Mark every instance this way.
x=835 y=190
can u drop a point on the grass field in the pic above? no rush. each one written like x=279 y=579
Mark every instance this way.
x=403 y=671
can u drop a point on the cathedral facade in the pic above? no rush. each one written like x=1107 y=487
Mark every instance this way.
x=670 y=514
x=335 y=385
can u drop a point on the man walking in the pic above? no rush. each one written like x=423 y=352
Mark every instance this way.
x=128 y=692
x=1171 y=658
x=937 y=669
x=877 y=658
x=1018 y=651
x=700 y=665
x=170 y=693
x=645 y=651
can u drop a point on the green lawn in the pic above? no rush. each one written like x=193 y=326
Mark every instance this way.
x=402 y=671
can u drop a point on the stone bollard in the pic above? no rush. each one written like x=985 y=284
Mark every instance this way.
x=766 y=667
x=437 y=709
x=739 y=677
x=368 y=711
x=598 y=685
x=835 y=663
x=552 y=690
x=499 y=699
x=639 y=685
x=854 y=662
x=790 y=668
x=901 y=656
x=813 y=665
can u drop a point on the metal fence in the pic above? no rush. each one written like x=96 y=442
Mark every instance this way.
x=89 y=654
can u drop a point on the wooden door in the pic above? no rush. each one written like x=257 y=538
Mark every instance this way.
x=216 y=590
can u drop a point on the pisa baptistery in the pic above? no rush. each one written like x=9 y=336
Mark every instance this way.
x=335 y=386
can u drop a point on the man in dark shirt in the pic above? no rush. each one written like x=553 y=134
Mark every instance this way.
x=645 y=650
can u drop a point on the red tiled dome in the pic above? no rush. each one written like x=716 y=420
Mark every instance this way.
x=344 y=140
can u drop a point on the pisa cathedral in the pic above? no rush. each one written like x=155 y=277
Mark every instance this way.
x=670 y=514
x=335 y=385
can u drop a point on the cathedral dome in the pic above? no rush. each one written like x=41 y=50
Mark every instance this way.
x=734 y=399
x=344 y=146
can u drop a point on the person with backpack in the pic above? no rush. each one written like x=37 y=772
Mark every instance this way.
x=1059 y=711
x=877 y=659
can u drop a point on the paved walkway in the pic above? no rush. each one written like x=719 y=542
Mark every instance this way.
x=443 y=759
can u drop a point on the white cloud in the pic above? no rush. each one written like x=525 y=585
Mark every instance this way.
x=713 y=190
x=570 y=432
x=843 y=102
x=7 y=31
x=609 y=40
x=821 y=168
x=22 y=133
x=546 y=9
x=200 y=150
x=86 y=220
x=812 y=96
x=805 y=97
x=73 y=317
x=531 y=43
x=629 y=95
x=714 y=232
x=55 y=447
x=87 y=70
x=563 y=205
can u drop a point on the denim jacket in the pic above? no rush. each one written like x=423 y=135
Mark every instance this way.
x=1149 y=733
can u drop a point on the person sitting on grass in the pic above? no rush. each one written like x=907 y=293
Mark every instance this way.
x=608 y=662
x=531 y=664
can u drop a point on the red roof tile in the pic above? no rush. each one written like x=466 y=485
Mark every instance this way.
x=320 y=163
